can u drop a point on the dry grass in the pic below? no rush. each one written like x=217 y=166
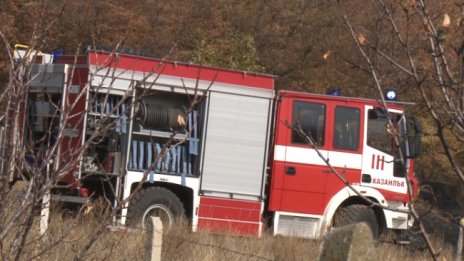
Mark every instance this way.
x=67 y=235
x=181 y=244
x=386 y=251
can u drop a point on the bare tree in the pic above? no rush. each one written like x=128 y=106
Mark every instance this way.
x=424 y=47
x=428 y=55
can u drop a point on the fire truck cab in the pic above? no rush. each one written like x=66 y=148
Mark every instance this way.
x=351 y=135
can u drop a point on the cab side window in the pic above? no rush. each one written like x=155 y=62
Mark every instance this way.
x=346 y=132
x=311 y=117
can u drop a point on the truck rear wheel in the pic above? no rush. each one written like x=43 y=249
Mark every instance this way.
x=355 y=214
x=154 y=202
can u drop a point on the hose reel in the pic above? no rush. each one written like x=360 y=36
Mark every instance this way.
x=156 y=116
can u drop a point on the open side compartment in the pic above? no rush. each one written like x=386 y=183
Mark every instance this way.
x=165 y=134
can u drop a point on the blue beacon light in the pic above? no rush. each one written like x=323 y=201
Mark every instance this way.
x=334 y=91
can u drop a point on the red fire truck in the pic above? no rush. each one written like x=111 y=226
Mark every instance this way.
x=216 y=146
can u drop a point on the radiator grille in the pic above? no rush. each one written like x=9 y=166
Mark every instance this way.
x=297 y=226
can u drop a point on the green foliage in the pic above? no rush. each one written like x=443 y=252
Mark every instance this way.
x=235 y=51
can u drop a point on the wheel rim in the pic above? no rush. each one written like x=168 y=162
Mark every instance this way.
x=161 y=211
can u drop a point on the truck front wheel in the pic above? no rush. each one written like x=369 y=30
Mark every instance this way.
x=355 y=214
x=154 y=202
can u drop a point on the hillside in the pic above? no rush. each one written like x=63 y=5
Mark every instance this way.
x=361 y=47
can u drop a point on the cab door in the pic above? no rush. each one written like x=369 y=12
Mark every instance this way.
x=345 y=150
x=380 y=168
x=299 y=174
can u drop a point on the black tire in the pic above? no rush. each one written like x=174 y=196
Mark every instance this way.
x=355 y=214
x=154 y=201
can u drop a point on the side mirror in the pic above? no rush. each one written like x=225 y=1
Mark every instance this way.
x=413 y=135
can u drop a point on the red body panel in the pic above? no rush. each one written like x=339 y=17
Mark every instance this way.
x=229 y=215
x=150 y=65
x=353 y=176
